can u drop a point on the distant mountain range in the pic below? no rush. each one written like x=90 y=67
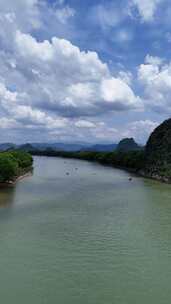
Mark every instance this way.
x=60 y=146
x=43 y=146
x=102 y=148
x=7 y=146
x=126 y=144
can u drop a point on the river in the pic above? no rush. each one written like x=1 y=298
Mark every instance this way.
x=91 y=236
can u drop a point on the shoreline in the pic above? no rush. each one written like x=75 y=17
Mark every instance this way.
x=14 y=182
x=136 y=172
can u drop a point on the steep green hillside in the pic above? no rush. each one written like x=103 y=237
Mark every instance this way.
x=158 y=151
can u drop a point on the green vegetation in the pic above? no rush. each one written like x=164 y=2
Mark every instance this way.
x=158 y=152
x=133 y=159
x=128 y=144
x=24 y=159
x=153 y=161
x=13 y=164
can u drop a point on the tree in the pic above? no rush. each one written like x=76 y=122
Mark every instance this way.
x=8 y=167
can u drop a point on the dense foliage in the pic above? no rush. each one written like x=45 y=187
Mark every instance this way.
x=23 y=158
x=13 y=164
x=158 y=151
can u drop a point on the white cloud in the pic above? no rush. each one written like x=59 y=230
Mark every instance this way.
x=23 y=14
x=6 y=95
x=63 y=53
x=84 y=124
x=112 y=14
x=11 y=103
x=51 y=85
x=72 y=81
x=126 y=76
x=105 y=133
x=28 y=47
x=157 y=61
x=146 y=8
x=6 y=123
x=156 y=80
x=46 y=84
x=140 y=129
x=115 y=90
x=19 y=115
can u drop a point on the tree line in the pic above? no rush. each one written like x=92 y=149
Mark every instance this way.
x=13 y=164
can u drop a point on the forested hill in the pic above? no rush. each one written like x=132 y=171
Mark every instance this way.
x=158 y=152
x=128 y=144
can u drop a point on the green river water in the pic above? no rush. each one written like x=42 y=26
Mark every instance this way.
x=90 y=237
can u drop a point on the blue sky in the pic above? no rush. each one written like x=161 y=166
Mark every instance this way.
x=74 y=70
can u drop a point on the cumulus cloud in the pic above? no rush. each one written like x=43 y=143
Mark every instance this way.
x=74 y=82
x=11 y=104
x=153 y=60
x=155 y=76
x=19 y=116
x=28 y=47
x=117 y=91
x=52 y=85
x=140 y=129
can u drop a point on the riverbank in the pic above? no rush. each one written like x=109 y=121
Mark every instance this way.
x=14 y=165
x=17 y=178
x=132 y=161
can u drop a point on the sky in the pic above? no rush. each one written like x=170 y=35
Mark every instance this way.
x=84 y=70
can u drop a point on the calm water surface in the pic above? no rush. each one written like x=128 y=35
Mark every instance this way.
x=90 y=237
